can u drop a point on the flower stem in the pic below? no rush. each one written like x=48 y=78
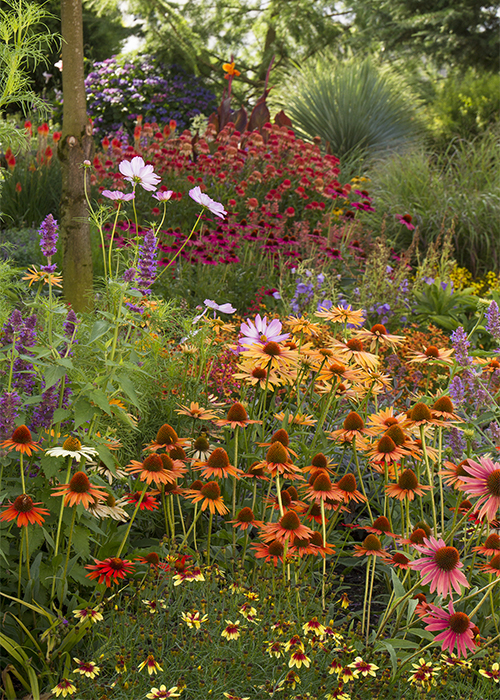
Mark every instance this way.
x=120 y=549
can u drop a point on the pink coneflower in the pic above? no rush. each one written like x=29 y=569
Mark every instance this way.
x=440 y=566
x=456 y=629
x=484 y=482
x=260 y=331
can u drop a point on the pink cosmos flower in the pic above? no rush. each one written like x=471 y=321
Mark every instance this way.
x=163 y=196
x=262 y=332
x=456 y=629
x=206 y=201
x=484 y=482
x=138 y=173
x=118 y=196
x=440 y=566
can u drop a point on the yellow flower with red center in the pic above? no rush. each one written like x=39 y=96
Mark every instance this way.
x=298 y=659
x=315 y=627
x=194 y=619
x=86 y=668
x=64 y=688
x=232 y=630
x=151 y=664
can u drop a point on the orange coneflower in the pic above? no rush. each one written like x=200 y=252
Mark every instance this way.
x=272 y=551
x=282 y=436
x=277 y=461
x=217 y=466
x=210 y=497
x=399 y=560
x=378 y=334
x=385 y=451
x=352 y=427
x=452 y=475
x=321 y=489
x=419 y=415
x=257 y=470
x=109 y=570
x=175 y=467
x=347 y=489
x=353 y=349
x=236 y=417
x=272 y=355
x=339 y=314
x=288 y=528
x=312 y=512
x=371 y=546
x=491 y=547
x=385 y=418
x=245 y=519
x=152 y=558
x=443 y=408
x=152 y=469
x=295 y=419
x=21 y=441
x=337 y=372
x=381 y=526
x=148 y=501
x=417 y=537
x=194 y=410
x=323 y=548
x=303 y=325
x=166 y=438
x=265 y=378
x=493 y=566
x=320 y=462
x=432 y=354
x=407 y=486
x=80 y=490
x=303 y=546
x=25 y=511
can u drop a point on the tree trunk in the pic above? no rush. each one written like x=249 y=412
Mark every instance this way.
x=76 y=146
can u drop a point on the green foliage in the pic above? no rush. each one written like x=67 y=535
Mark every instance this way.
x=460 y=187
x=440 y=305
x=30 y=191
x=358 y=108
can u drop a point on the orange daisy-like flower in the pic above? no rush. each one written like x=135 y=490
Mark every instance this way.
x=217 y=466
x=25 y=511
x=194 y=410
x=265 y=378
x=152 y=469
x=282 y=436
x=339 y=314
x=148 y=502
x=21 y=441
x=303 y=325
x=288 y=528
x=385 y=418
x=347 y=489
x=320 y=462
x=257 y=470
x=273 y=355
x=406 y=487
x=304 y=546
x=295 y=419
x=278 y=462
x=491 y=547
x=493 y=566
x=354 y=350
x=399 y=561
x=80 y=490
x=166 y=438
x=321 y=489
x=452 y=475
x=381 y=526
x=419 y=415
x=371 y=547
x=272 y=551
x=352 y=427
x=336 y=372
x=443 y=408
x=210 y=497
x=229 y=69
x=236 y=417
x=432 y=354
x=378 y=335
x=109 y=570
x=385 y=451
x=245 y=519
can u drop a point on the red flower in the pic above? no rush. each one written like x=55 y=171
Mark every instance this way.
x=25 y=511
x=110 y=570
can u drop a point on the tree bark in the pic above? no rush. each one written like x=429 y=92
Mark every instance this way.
x=76 y=146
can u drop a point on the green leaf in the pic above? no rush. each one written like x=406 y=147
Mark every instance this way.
x=392 y=654
x=61 y=414
x=128 y=388
x=52 y=375
x=412 y=604
x=98 y=329
x=81 y=541
x=399 y=589
x=83 y=411
x=99 y=397
x=424 y=634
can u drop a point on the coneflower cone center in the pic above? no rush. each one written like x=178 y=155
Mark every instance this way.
x=320 y=461
x=493 y=483
x=79 y=483
x=237 y=413
x=245 y=515
x=292 y=492
x=355 y=344
x=444 y=405
x=201 y=444
x=110 y=501
x=272 y=349
x=492 y=541
x=399 y=558
x=408 y=481
x=389 y=422
x=167 y=462
x=290 y=521
x=396 y=434
x=353 y=421
x=422 y=525
x=304 y=542
x=23 y=504
x=153 y=463
x=447 y=558
x=417 y=536
x=336 y=368
x=432 y=351
x=211 y=490
x=259 y=373
x=256 y=470
x=281 y=436
x=197 y=485
x=21 y=435
x=152 y=558
x=372 y=543
x=277 y=454
x=495 y=562
x=218 y=459
x=177 y=453
x=459 y=623
x=166 y=435
x=420 y=412
x=348 y=483
x=386 y=445
x=316 y=539
x=72 y=444
x=382 y=523
x=116 y=564
x=322 y=483
x=379 y=329
x=276 y=549
x=286 y=499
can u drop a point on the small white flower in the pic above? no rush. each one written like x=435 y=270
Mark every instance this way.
x=77 y=453
x=163 y=196
x=225 y=308
x=138 y=173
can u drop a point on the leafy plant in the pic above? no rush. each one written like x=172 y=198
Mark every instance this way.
x=357 y=107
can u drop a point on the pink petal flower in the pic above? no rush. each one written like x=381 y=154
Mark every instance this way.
x=136 y=172
x=118 y=196
x=206 y=201
x=440 y=567
x=455 y=629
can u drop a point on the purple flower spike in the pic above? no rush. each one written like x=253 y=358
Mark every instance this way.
x=48 y=236
x=147 y=262
x=493 y=320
